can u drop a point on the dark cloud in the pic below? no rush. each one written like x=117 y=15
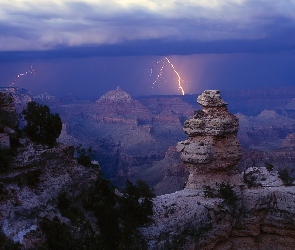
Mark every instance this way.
x=109 y=25
x=161 y=47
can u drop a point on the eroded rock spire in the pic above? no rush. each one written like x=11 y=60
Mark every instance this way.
x=212 y=148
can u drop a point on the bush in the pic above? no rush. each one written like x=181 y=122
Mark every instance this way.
x=58 y=234
x=6 y=156
x=285 y=177
x=210 y=192
x=136 y=204
x=227 y=193
x=63 y=202
x=118 y=218
x=269 y=166
x=30 y=179
x=84 y=155
x=224 y=191
x=42 y=126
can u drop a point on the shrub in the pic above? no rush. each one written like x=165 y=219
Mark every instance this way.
x=6 y=156
x=118 y=218
x=58 y=235
x=42 y=126
x=84 y=155
x=227 y=193
x=285 y=177
x=136 y=204
x=209 y=192
x=224 y=191
x=269 y=166
x=63 y=202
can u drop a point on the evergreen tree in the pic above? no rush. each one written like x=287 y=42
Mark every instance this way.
x=42 y=126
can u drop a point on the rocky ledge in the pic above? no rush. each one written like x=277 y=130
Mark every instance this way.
x=220 y=208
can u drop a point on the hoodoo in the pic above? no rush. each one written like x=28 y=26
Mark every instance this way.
x=212 y=148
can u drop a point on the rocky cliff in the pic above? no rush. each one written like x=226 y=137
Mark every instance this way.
x=220 y=208
x=32 y=177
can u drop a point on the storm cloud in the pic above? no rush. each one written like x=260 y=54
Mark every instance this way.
x=147 y=27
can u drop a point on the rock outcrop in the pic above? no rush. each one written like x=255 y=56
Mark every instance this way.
x=212 y=148
x=254 y=210
x=32 y=178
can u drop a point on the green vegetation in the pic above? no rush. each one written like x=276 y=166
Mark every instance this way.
x=269 y=166
x=118 y=217
x=6 y=156
x=42 y=126
x=84 y=155
x=60 y=236
x=285 y=177
x=224 y=191
x=115 y=219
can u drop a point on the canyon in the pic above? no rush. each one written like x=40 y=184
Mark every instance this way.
x=136 y=138
x=132 y=137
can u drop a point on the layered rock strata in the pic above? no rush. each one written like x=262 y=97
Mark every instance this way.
x=212 y=148
x=262 y=215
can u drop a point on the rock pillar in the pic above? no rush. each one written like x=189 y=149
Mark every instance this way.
x=212 y=148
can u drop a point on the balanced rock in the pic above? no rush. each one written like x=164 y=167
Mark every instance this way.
x=212 y=146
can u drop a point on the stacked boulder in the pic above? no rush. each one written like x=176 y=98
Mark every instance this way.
x=212 y=148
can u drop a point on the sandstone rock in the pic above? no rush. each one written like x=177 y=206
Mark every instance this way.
x=261 y=177
x=212 y=147
x=211 y=98
x=188 y=220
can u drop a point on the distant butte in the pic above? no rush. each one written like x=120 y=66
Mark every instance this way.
x=117 y=95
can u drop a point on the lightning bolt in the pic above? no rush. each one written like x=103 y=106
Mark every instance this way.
x=179 y=78
x=31 y=71
x=159 y=76
x=160 y=73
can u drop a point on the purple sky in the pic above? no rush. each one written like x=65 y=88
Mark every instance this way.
x=89 y=47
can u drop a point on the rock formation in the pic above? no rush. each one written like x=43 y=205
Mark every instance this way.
x=117 y=95
x=33 y=177
x=255 y=212
x=212 y=148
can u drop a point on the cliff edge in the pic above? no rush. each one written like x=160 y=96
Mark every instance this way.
x=221 y=208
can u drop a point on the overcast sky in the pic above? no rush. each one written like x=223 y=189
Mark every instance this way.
x=88 y=47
